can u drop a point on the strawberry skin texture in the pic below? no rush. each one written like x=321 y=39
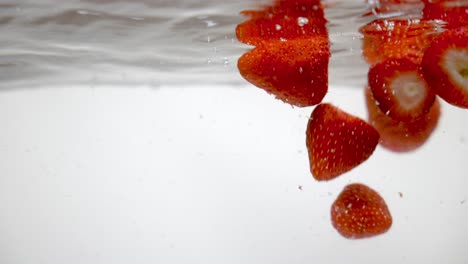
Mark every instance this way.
x=445 y=66
x=296 y=72
x=360 y=212
x=337 y=142
x=399 y=87
x=400 y=136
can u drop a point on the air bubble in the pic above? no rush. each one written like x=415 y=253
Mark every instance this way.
x=301 y=21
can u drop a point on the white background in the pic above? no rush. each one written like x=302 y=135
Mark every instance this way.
x=209 y=175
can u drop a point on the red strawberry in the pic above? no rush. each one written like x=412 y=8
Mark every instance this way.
x=399 y=1
x=255 y=31
x=296 y=72
x=400 y=136
x=305 y=8
x=445 y=66
x=396 y=38
x=360 y=212
x=286 y=20
x=337 y=142
x=399 y=88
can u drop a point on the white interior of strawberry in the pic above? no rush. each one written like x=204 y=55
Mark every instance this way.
x=456 y=66
x=409 y=89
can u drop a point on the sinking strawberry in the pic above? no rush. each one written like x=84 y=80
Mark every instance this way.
x=445 y=66
x=400 y=136
x=360 y=212
x=296 y=72
x=399 y=87
x=337 y=142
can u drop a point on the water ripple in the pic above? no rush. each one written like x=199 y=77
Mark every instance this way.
x=62 y=42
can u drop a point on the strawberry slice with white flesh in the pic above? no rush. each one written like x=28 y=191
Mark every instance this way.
x=445 y=66
x=399 y=87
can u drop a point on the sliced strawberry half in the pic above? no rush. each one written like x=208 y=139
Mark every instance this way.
x=445 y=66
x=337 y=142
x=360 y=212
x=400 y=136
x=399 y=87
x=296 y=72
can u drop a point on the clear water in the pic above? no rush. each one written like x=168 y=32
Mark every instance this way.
x=97 y=166
x=144 y=42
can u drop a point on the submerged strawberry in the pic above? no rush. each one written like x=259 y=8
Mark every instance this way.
x=337 y=142
x=296 y=72
x=400 y=89
x=396 y=38
x=445 y=66
x=360 y=212
x=401 y=136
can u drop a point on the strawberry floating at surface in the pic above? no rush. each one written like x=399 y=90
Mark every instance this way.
x=445 y=66
x=399 y=87
x=360 y=212
x=396 y=38
x=296 y=72
x=398 y=136
x=281 y=8
x=255 y=31
x=292 y=53
x=337 y=142
x=286 y=20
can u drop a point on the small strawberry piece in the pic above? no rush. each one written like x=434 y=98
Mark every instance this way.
x=360 y=212
x=445 y=66
x=400 y=136
x=337 y=142
x=400 y=89
x=296 y=72
x=396 y=38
